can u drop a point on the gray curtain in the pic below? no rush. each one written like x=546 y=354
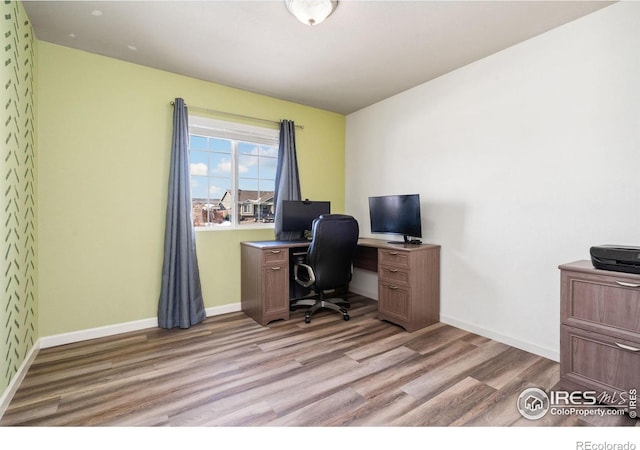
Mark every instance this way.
x=181 y=303
x=287 y=178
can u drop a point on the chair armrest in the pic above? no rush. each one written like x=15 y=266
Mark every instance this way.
x=311 y=277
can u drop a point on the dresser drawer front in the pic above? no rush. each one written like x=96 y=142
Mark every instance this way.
x=394 y=274
x=274 y=256
x=393 y=257
x=601 y=304
x=598 y=361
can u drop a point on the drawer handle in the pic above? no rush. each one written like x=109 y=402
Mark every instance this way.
x=628 y=347
x=393 y=253
x=275 y=252
x=393 y=287
x=625 y=284
x=393 y=270
x=276 y=268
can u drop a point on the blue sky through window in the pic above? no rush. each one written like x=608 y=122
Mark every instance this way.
x=211 y=166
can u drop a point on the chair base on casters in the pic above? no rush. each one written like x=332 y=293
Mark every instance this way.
x=314 y=302
x=333 y=304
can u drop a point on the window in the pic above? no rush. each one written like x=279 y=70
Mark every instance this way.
x=233 y=171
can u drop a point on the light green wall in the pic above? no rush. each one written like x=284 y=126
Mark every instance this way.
x=18 y=185
x=104 y=133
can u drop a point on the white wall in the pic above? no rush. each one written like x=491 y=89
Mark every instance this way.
x=523 y=160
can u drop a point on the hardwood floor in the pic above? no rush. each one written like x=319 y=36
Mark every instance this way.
x=230 y=371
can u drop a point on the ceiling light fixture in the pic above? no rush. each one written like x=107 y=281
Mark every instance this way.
x=311 y=12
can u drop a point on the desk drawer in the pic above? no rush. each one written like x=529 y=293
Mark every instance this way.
x=274 y=255
x=393 y=257
x=393 y=274
x=394 y=301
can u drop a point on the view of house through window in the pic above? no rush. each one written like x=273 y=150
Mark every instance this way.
x=233 y=168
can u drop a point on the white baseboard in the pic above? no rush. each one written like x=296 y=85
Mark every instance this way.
x=10 y=391
x=94 y=333
x=224 y=309
x=553 y=355
x=110 y=330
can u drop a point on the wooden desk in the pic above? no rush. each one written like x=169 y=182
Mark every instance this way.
x=408 y=280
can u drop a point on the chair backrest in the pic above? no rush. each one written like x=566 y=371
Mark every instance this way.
x=334 y=242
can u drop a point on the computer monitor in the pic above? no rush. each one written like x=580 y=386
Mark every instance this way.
x=397 y=214
x=298 y=215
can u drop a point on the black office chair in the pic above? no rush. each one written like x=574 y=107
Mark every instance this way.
x=328 y=263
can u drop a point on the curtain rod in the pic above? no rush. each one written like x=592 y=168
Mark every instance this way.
x=237 y=116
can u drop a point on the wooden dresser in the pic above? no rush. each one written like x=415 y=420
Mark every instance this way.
x=600 y=331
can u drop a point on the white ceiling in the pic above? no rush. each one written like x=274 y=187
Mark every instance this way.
x=365 y=52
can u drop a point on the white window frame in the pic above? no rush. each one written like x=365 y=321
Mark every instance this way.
x=215 y=128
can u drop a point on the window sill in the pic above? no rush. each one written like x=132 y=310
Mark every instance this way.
x=256 y=226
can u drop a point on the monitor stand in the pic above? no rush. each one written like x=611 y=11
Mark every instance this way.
x=407 y=241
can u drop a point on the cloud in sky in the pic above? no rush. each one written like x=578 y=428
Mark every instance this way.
x=198 y=169
x=224 y=167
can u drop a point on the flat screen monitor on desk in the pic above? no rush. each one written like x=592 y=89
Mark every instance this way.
x=298 y=215
x=397 y=214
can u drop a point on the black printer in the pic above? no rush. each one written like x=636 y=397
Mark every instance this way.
x=616 y=258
